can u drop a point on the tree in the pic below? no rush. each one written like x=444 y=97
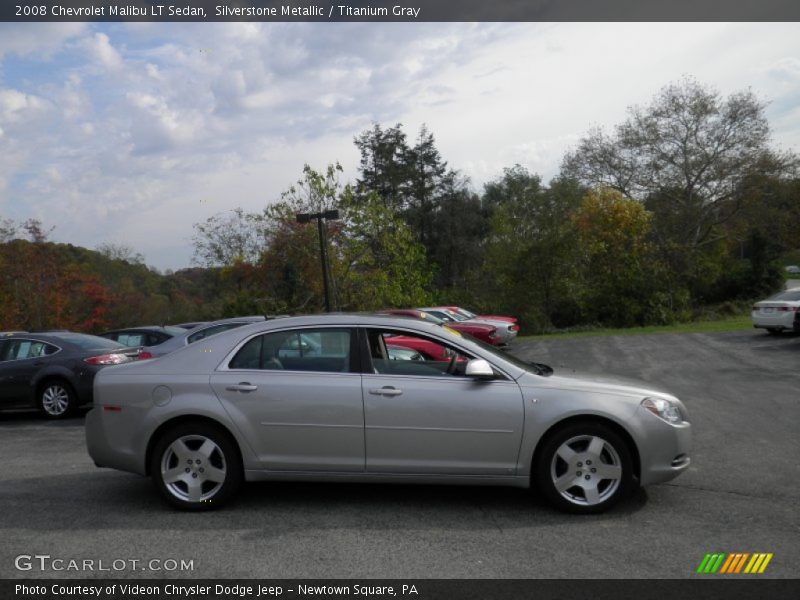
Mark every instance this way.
x=384 y=165
x=229 y=237
x=115 y=251
x=618 y=267
x=381 y=264
x=530 y=255
x=374 y=259
x=8 y=230
x=688 y=152
x=427 y=182
x=458 y=230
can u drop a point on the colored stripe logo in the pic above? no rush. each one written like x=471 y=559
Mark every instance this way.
x=734 y=563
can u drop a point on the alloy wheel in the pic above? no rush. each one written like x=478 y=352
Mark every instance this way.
x=586 y=470
x=55 y=400
x=193 y=468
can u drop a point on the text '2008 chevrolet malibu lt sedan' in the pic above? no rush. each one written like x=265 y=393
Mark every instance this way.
x=323 y=398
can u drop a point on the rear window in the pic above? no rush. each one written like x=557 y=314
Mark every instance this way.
x=213 y=330
x=792 y=296
x=173 y=330
x=88 y=342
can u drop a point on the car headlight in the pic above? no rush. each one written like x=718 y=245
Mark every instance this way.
x=664 y=409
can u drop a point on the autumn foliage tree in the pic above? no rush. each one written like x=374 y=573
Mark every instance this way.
x=618 y=266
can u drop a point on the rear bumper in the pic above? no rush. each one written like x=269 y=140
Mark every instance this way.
x=776 y=320
x=109 y=443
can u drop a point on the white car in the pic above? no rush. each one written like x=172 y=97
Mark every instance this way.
x=778 y=313
x=793 y=269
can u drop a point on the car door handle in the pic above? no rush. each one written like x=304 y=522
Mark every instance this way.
x=242 y=387
x=385 y=391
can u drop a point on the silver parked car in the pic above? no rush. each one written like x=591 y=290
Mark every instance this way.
x=200 y=331
x=322 y=398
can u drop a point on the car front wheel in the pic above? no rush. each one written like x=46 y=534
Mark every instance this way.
x=585 y=468
x=196 y=467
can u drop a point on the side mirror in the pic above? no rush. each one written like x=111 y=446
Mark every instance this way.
x=479 y=369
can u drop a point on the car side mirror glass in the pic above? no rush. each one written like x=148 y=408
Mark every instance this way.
x=480 y=369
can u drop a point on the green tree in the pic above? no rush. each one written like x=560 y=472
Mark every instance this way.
x=531 y=251
x=374 y=259
x=618 y=266
x=384 y=165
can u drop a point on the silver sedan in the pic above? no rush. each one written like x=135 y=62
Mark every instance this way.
x=322 y=398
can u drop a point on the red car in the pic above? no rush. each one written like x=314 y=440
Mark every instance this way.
x=485 y=333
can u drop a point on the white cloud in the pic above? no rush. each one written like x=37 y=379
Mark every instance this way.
x=137 y=123
x=16 y=106
x=101 y=50
x=36 y=39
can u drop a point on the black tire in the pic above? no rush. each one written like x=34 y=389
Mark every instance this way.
x=56 y=399
x=589 y=492
x=208 y=476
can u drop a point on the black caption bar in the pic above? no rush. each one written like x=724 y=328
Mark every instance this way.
x=399 y=10
x=423 y=589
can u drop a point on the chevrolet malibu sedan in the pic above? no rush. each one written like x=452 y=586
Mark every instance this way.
x=251 y=404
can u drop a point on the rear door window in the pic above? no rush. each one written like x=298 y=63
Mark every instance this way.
x=319 y=350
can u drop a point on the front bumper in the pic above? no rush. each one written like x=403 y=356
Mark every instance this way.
x=664 y=449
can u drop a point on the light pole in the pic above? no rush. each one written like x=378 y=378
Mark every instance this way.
x=328 y=215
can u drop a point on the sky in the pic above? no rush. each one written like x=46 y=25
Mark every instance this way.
x=132 y=132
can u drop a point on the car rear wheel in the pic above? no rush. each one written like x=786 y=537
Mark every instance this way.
x=584 y=468
x=196 y=466
x=56 y=399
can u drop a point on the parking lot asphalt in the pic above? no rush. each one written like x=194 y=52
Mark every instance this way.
x=740 y=495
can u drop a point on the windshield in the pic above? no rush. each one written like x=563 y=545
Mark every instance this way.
x=431 y=318
x=454 y=315
x=530 y=366
x=465 y=313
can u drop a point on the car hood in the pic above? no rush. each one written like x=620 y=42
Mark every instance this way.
x=590 y=382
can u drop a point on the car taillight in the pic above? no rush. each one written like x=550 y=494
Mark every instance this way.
x=787 y=308
x=755 y=308
x=143 y=355
x=107 y=359
x=514 y=328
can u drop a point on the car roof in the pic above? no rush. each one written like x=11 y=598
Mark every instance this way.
x=163 y=328
x=59 y=337
x=248 y=319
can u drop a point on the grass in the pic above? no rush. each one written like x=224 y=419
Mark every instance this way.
x=737 y=323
